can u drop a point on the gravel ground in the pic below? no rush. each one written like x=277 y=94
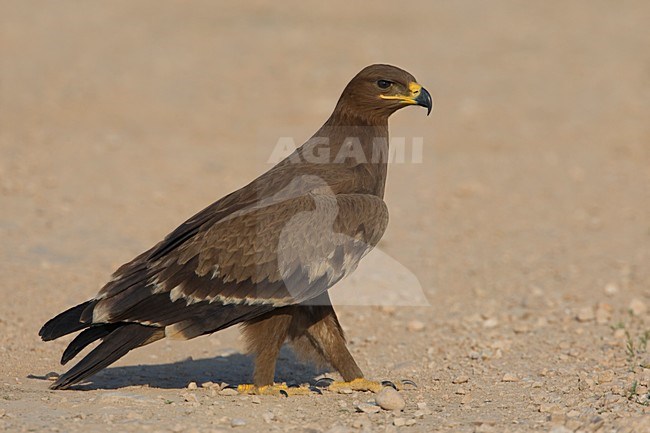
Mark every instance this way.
x=521 y=240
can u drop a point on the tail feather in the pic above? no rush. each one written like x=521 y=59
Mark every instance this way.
x=65 y=323
x=114 y=346
x=86 y=337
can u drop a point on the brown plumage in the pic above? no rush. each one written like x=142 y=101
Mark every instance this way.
x=263 y=256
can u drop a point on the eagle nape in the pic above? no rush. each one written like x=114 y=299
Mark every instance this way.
x=262 y=257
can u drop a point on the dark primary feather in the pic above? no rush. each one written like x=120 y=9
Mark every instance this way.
x=86 y=337
x=65 y=323
x=113 y=347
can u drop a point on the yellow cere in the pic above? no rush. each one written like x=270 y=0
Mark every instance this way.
x=415 y=89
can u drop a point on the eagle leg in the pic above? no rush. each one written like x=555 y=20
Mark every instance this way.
x=264 y=336
x=316 y=334
x=325 y=337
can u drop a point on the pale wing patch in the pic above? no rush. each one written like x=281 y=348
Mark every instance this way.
x=101 y=312
x=231 y=300
x=156 y=287
x=178 y=293
x=178 y=331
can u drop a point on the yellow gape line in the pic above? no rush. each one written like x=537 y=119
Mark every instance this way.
x=414 y=89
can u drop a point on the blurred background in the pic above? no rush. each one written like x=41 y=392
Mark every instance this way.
x=120 y=119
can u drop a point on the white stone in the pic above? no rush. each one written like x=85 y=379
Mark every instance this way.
x=237 y=422
x=389 y=399
x=368 y=408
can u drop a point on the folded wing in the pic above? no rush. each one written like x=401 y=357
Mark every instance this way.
x=265 y=256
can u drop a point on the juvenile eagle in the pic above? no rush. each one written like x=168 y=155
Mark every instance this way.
x=263 y=256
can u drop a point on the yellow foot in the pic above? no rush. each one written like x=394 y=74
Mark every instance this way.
x=355 y=385
x=275 y=389
x=368 y=385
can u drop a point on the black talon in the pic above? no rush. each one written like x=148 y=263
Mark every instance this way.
x=284 y=393
x=409 y=382
x=316 y=390
x=327 y=381
x=388 y=383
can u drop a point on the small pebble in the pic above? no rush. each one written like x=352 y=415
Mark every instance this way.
x=415 y=326
x=549 y=408
x=410 y=422
x=611 y=289
x=491 y=323
x=337 y=429
x=585 y=314
x=606 y=376
x=192 y=385
x=362 y=423
x=460 y=379
x=190 y=398
x=229 y=391
x=130 y=415
x=603 y=314
x=399 y=422
x=521 y=328
x=420 y=413
x=237 y=422
x=389 y=399
x=484 y=428
x=256 y=400
x=509 y=377
x=268 y=417
x=368 y=408
x=638 y=307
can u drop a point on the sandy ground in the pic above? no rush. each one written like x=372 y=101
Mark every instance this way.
x=527 y=222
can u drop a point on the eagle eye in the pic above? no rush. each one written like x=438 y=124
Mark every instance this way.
x=384 y=84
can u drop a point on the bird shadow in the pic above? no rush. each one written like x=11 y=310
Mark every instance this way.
x=233 y=369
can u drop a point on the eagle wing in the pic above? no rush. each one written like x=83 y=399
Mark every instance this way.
x=273 y=253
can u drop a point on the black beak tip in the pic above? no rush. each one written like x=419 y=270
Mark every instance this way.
x=424 y=100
